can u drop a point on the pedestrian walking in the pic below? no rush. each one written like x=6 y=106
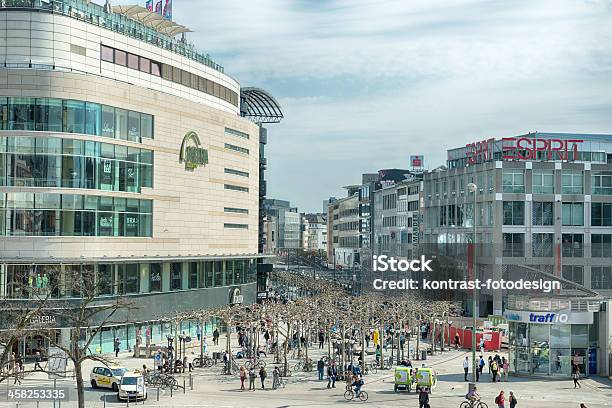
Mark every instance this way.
x=494 y=370
x=321 y=339
x=17 y=372
x=216 y=337
x=252 y=377
x=482 y=345
x=506 y=368
x=243 y=375
x=423 y=398
x=117 y=344
x=489 y=365
x=481 y=364
x=576 y=375
x=320 y=368
x=512 y=400
x=262 y=376
x=332 y=373
x=500 y=400
x=275 y=378
x=37 y=361
x=466 y=367
x=457 y=341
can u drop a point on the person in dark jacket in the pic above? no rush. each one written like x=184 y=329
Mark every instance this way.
x=332 y=373
x=423 y=398
x=320 y=368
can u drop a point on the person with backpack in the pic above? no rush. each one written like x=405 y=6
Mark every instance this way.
x=500 y=400
x=512 y=400
x=423 y=398
x=494 y=370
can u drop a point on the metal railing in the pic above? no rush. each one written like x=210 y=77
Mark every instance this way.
x=95 y=14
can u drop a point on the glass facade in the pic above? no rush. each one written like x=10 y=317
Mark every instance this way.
x=44 y=214
x=110 y=279
x=548 y=349
x=27 y=161
x=72 y=116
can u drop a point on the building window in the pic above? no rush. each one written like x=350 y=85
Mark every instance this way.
x=574 y=273
x=572 y=245
x=129 y=278
x=543 y=182
x=155 y=277
x=236 y=148
x=69 y=116
x=572 y=214
x=236 y=188
x=514 y=245
x=236 y=172
x=235 y=132
x=601 y=183
x=106 y=279
x=514 y=212
x=193 y=275
x=571 y=182
x=107 y=54
x=542 y=245
x=601 y=214
x=601 y=277
x=120 y=58
x=513 y=181
x=235 y=210
x=601 y=245
x=542 y=213
x=42 y=214
x=176 y=276
x=236 y=226
x=132 y=61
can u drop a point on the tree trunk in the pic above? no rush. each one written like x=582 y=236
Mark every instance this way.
x=78 y=373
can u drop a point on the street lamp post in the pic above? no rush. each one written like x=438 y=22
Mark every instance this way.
x=473 y=188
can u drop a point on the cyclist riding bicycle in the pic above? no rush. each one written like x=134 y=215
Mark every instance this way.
x=357 y=383
x=473 y=395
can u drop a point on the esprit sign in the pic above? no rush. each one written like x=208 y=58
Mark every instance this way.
x=527 y=148
x=478 y=152
x=192 y=154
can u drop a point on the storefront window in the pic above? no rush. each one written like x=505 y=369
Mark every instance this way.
x=560 y=351
x=193 y=275
x=155 y=277
x=105 y=279
x=218 y=265
x=176 y=276
x=129 y=278
x=540 y=353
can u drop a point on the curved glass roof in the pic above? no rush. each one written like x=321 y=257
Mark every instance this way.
x=259 y=106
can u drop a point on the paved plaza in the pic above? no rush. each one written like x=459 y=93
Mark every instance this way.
x=213 y=389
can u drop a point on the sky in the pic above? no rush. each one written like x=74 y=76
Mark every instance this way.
x=364 y=84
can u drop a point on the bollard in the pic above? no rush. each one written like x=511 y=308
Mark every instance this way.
x=104 y=400
x=191 y=382
x=184 y=390
x=158 y=393
x=37 y=404
x=171 y=392
x=127 y=401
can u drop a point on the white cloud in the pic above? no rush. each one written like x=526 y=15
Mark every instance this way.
x=364 y=83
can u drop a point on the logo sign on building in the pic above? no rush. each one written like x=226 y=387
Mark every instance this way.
x=556 y=317
x=478 y=152
x=235 y=296
x=417 y=162
x=534 y=148
x=192 y=154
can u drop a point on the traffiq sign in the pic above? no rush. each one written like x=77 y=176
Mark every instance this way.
x=192 y=153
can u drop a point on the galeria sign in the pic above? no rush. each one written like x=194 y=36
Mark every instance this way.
x=192 y=154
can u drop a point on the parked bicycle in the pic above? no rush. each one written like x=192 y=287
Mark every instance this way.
x=252 y=364
x=304 y=364
x=203 y=362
